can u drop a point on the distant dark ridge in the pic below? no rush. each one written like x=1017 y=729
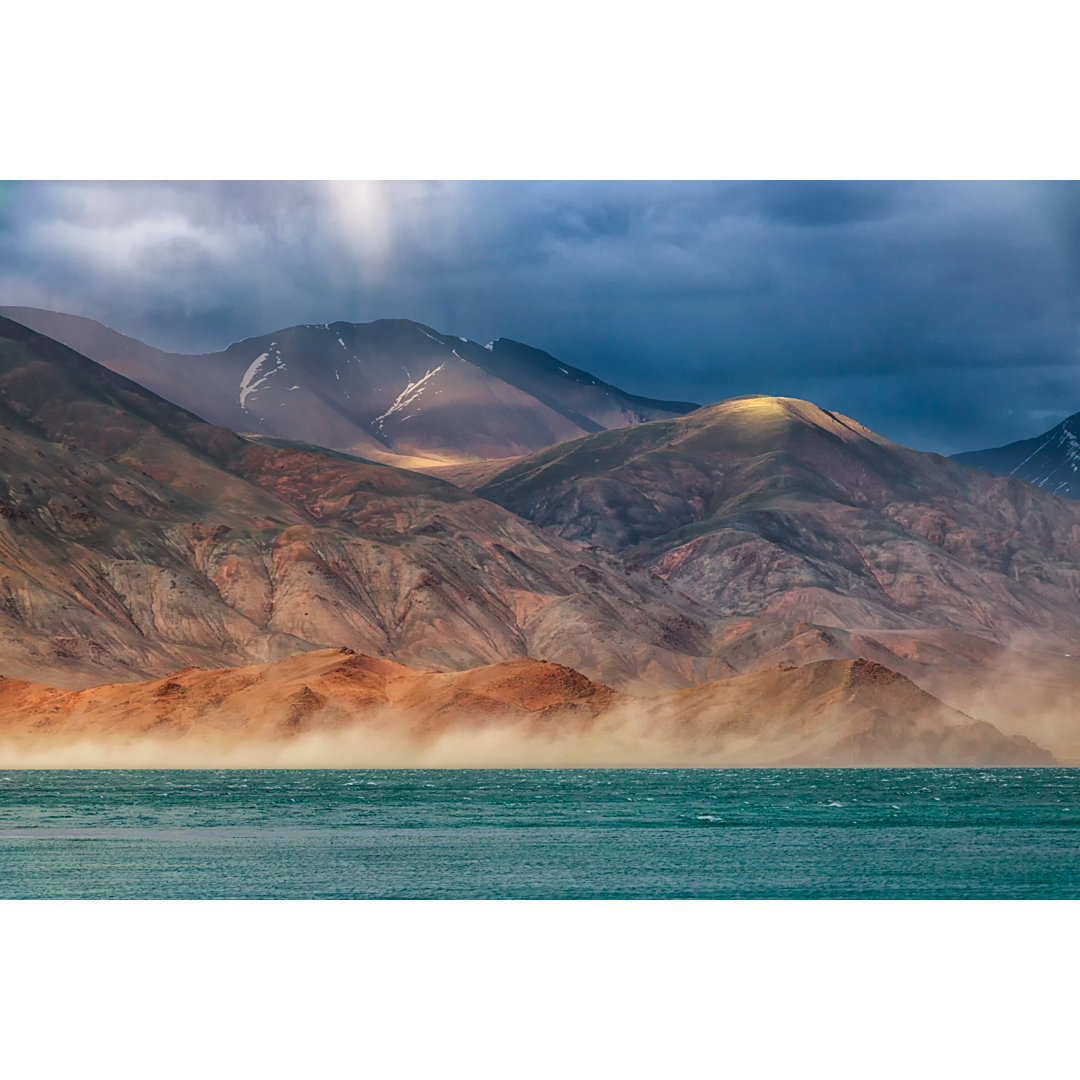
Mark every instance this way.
x=1050 y=461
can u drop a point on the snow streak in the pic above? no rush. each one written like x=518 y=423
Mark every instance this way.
x=249 y=383
x=408 y=395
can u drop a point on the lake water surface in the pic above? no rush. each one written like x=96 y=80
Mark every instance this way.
x=547 y=834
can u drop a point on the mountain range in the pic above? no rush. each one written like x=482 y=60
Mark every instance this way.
x=389 y=390
x=135 y=538
x=774 y=507
x=655 y=556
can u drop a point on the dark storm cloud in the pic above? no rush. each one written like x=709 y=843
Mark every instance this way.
x=821 y=202
x=945 y=315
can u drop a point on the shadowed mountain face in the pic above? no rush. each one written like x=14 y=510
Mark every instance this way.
x=1050 y=461
x=391 y=387
x=135 y=539
x=773 y=507
x=334 y=707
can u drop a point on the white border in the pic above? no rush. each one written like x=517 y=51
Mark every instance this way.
x=570 y=89
x=538 y=989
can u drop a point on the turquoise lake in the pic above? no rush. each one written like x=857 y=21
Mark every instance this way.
x=548 y=834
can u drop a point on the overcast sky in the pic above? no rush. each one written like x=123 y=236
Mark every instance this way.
x=944 y=315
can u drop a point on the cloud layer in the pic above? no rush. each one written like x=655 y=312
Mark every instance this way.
x=945 y=315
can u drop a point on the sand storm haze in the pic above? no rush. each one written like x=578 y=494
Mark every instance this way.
x=335 y=708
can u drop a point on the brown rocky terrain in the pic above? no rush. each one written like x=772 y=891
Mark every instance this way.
x=774 y=508
x=390 y=390
x=136 y=538
x=334 y=707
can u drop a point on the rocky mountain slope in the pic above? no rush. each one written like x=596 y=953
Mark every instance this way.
x=382 y=390
x=772 y=508
x=136 y=538
x=334 y=707
x=1050 y=461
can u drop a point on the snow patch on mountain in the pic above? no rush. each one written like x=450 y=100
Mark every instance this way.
x=407 y=396
x=255 y=377
x=1071 y=445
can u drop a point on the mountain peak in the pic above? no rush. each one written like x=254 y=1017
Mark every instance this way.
x=392 y=389
x=773 y=409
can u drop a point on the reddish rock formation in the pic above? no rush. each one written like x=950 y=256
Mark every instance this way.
x=337 y=708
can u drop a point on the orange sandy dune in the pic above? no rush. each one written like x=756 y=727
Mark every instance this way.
x=336 y=708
